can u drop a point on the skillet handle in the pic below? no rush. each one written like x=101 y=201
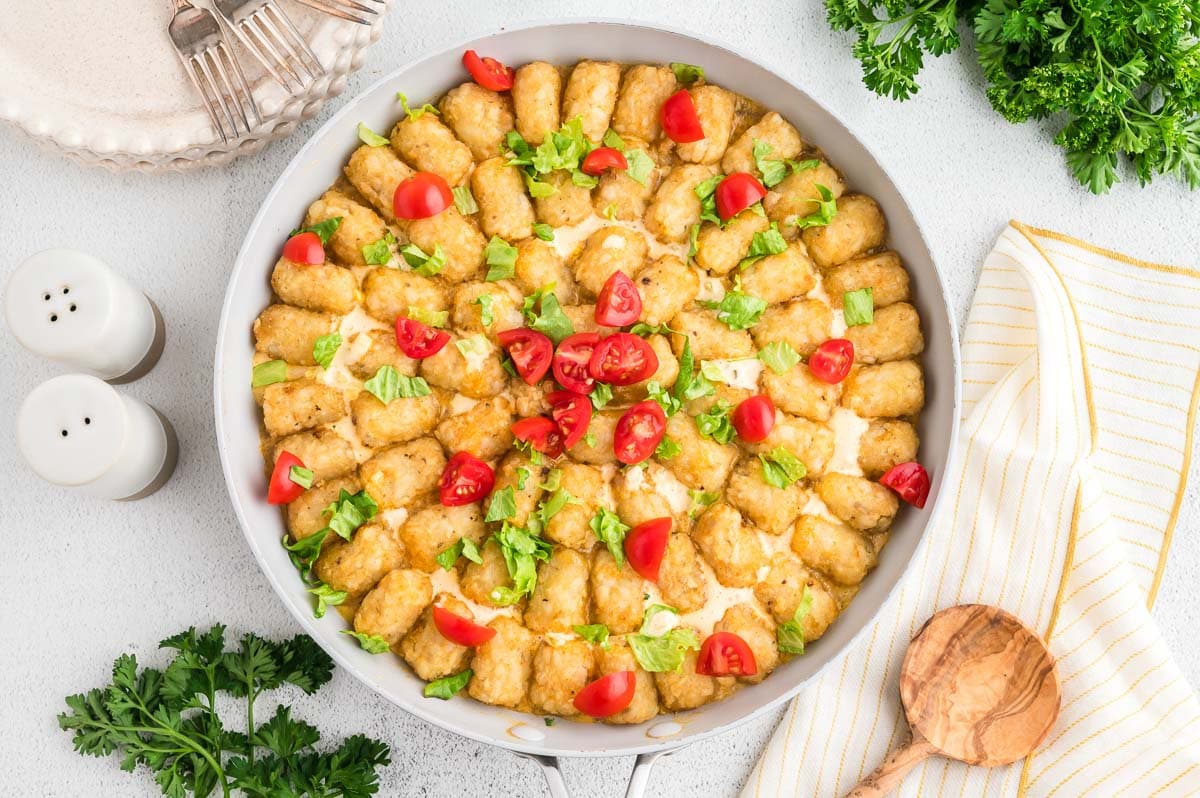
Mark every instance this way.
x=637 y=780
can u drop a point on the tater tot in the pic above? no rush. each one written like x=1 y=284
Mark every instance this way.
x=770 y=508
x=394 y=605
x=758 y=631
x=701 y=464
x=591 y=95
x=731 y=548
x=618 y=195
x=894 y=334
x=427 y=651
x=619 y=657
x=504 y=306
x=526 y=480
x=306 y=515
x=773 y=130
x=429 y=146
x=799 y=392
x=667 y=286
x=400 y=420
x=616 y=593
x=583 y=318
x=459 y=238
x=504 y=207
x=479 y=118
x=783 y=588
x=882 y=273
x=721 y=249
x=637 y=501
x=890 y=389
x=782 y=277
x=429 y=532
x=397 y=476
x=686 y=689
x=810 y=441
x=502 y=666
x=382 y=351
x=287 y=333
x=797 y=195
x=375 y=172
x=480 y=378
x=299 y=405
x=608 y=250
x=483 y=430
x=569 y=526
x=600 y=451
x=322 y=451
x=833 y=549
x=359 y=227
x=357 y=564
x=886 y=443
x=680 y=577
x=711 y=339
x=568 y=205
x=858 y=227
x=643 y=91
x=560 y=670
x=478 y=580
x=539 y=265
x=560 y=598
x=675 y=207
x=323 y=287
x=536 y=90
x=865 y=505
x=714 y=107
x=804 y=324
x=389 y=293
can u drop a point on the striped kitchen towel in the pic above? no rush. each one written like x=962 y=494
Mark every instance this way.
x=1081 y=373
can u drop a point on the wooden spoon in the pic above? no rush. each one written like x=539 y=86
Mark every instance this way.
x=977 y=686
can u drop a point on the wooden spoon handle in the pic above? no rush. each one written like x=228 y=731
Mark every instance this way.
x=894 y=768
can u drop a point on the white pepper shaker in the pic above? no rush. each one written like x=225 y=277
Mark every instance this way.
x=70 y=307
x=79 y=432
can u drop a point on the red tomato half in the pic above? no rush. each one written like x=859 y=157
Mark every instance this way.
x=679 y=119
x=530 y=352
x=645 y=546
x=419 y=340
x=601 y=159
x=281 y=489
x=910 y=481
x=725 y=654
x=832 y=360
x=466 y=479
x=754 y=418
x=639 y=431
x=608 y=695
x=619 y=303
x=571 y=362
x=421 y=196
x=488 y=72
x=458 y=629
x=623 y=359
x=736 y=193
x=541 y=433
x=572 y=412
x=305 y=248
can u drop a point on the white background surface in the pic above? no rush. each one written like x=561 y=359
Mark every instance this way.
x=84 y=580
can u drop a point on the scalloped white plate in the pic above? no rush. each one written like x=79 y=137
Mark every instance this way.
x=100 y=82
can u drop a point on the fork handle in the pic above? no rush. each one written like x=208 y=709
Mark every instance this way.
x=179 y=5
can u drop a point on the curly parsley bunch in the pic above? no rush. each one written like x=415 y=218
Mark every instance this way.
x=1124 y=74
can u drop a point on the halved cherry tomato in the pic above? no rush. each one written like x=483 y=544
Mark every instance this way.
x=608 y=695
x=421 y=196
x=530 y=352
x=645 y=546
x=571 y=362
x=639 y=431
x=572 y=412
x=622 y=359
x=466 y=479
x=281 y=489
x=910 y=481
x=541 y=433
x=736 y=193
x=488 y=72
x=754 y=418
x=458 y=629
x=619 y=303
x=305 y=248
x=679 y=119
x=602 y=158
x=418 y=340
x=725 y=654
x=832 y=360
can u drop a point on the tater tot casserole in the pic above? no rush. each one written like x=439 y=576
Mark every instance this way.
x=589 y=390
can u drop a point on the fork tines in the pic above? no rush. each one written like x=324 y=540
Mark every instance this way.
x=272 y=38
x=347 y=9
x=227 y=99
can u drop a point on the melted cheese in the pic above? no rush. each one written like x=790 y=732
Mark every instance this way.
x=461 y=404
x=569 y=240
x=848 y=429
x=355 y=344
x=737 y=373
x=475 y=351
x=670 y=488
x=712 y=289
x=447 y=582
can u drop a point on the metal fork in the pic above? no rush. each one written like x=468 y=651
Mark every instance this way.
x=267 y=32
x=209 y=62
x=347 y=9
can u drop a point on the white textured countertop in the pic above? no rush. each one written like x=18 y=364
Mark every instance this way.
x=85 y=580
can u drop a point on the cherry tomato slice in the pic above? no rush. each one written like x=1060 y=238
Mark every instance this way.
x=910 y=481
x=679 y=119
x=725 y=654
x=623 y=359
x=418 y=340
x=466 y=479
x=488 y=72
x=281 y=489
x=421 y=196
x=305 y=248
x=572 y=412
x=754 y=418
x=832 y=360
x=736 y=193
x=602 y=158
x=645 y=546
x=639 y=431
x=458 y=629
x=541 y=433
x=571 y=362
x=530 y=351
x=619 y=303
x=608 y=695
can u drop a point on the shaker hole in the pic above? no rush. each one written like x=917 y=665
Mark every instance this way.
x=64 y=433
x=53 y=317
x=46 y=297
x=66 y=289
x=72 y=308
x=87 y=419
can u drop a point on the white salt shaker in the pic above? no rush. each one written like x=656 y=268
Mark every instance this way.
x=70 y=307
x=79 y=432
